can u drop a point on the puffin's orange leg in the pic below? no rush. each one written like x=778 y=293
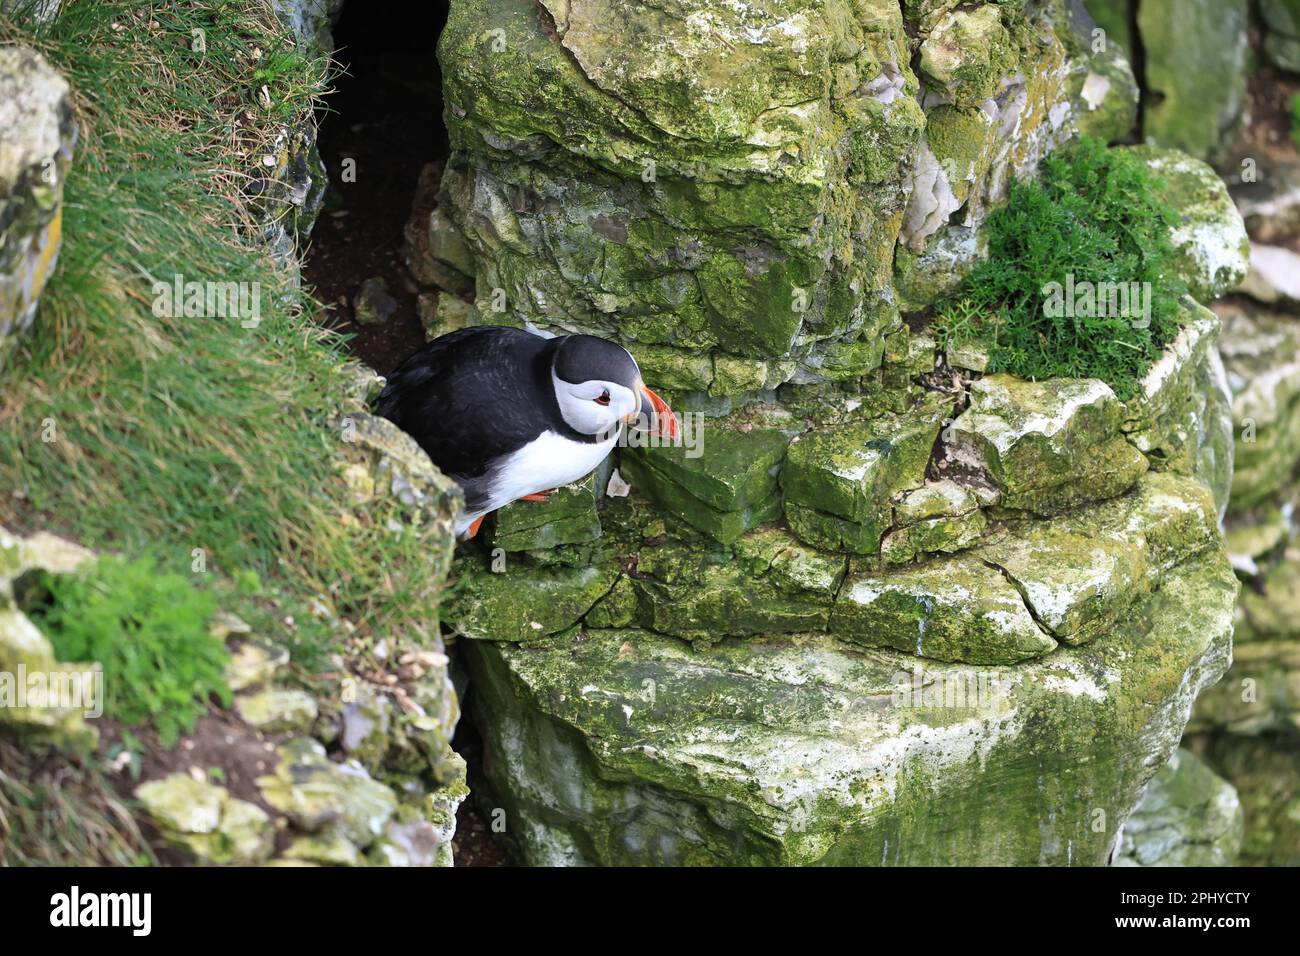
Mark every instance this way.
x=539 y=496
x=473 y=528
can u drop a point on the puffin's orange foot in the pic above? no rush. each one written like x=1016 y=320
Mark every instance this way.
x=474 y=526
x=539 y=496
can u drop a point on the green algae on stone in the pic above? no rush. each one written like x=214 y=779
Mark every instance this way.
x=1195 y=110
x=769 y=584
x=1181 y=416
x=852 y=469
x=946 y=535
x=1048 y=446
x=1263 y=771
x=277 y=710
x=733 y=467
x=319 y=795
x=1169 y=518
x=40 y=134
x=623 y=747
x=723 y=486
x=922 y=279
x=1105 y=90
x=955 y=609
x=1213 y=250
x=524 y=603
x=330 y=849
x=364 y=726
x=204 y=821
x=1258 y=351
x=940 y=516
x=1075 y=585
x=833 y=533
x=27 y=654
x=641 y=211
x=568 y=516
x=967 y=53
x=1190 y=816
x=254 y=663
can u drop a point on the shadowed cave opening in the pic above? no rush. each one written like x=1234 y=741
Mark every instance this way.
x=380 y=127
x=383 y=143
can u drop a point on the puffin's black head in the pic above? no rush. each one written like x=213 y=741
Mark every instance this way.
x=598 y=387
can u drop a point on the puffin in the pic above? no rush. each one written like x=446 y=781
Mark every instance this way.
x=509 y=415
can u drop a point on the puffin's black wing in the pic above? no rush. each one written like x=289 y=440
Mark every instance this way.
x=471 y=396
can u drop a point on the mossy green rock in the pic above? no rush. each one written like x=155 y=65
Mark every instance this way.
x=933 y=536
x=939 y=516
x=331 y=849
x=697 y=169
x=852 y=470
x=1213 y=250
x=1190 y=816
x=770 y=584
x=1076 y=585
x=1259 y=353
x=1261 y=694
x=1181 y=417
x=26 y=654
x=967 y=53
x=623 y=747
x=723 y=483
x=203 y=820
x=525 y=603
x=254 y=663
x=1047 y=446
x=568 y=516
x=277 y=710
x=731 y=183
x=321 y=796
x=955 y=609
x=1194 y=110
x=1263 y=771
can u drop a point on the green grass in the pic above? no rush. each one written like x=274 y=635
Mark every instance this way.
x=148 y=629
x=58 y=810
x=1295 y=119
x=1094 y=213
x=190 y=436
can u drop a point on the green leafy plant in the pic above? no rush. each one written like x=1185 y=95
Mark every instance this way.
x=1094 y=216
x=1295 y=119
x=148 y=629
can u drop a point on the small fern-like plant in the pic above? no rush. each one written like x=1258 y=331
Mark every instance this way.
x=148 y=629
x=1095 y=215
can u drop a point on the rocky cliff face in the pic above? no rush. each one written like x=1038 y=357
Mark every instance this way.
x=881 y=607
x=351 y=768
x=1228 y=111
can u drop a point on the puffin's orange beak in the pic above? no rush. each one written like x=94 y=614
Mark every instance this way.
x=665 y=421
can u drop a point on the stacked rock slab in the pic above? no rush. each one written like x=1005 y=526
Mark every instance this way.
x=729 y=184
x=1248 y=727
x=879 y=607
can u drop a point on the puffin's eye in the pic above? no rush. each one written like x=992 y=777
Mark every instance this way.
x=603 y=399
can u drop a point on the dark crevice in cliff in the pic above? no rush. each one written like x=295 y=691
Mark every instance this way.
x=1024 y=597
x=381 y=126
x=1138 y=61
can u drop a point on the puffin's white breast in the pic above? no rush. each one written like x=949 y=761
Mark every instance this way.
x=546 y=462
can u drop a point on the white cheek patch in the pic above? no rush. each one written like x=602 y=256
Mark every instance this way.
x=584 y=414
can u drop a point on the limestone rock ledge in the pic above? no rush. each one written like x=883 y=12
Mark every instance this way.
x=627 y=747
